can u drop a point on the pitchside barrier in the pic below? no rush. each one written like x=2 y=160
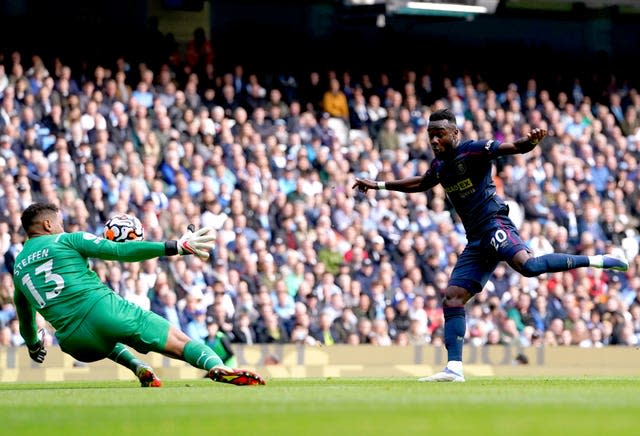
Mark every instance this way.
x=296 y=361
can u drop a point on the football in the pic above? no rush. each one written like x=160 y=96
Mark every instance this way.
x=123 y=227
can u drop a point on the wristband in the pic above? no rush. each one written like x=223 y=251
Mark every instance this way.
x=382 y=186
x=171 y=248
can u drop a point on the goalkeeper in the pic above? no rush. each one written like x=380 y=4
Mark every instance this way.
x=52 y=275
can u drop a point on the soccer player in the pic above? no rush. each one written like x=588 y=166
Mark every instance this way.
x=464 y=169
x=52 y=275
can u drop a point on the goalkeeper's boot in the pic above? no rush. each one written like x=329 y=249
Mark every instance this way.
x=148 y=379
x=238 y=377
x=446 y=375
x=614 y=262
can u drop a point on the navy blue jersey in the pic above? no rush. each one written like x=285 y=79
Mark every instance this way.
x=467 y=180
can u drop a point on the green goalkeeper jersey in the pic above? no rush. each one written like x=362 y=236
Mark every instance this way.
x=52 y=275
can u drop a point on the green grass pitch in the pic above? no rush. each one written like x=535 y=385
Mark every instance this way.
x=328 y=407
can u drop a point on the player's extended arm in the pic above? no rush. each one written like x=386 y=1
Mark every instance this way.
x=199 y=243
x=408 y=184
x=524 y=144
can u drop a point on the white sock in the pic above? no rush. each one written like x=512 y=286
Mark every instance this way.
x=596 y=261
x=455 y=366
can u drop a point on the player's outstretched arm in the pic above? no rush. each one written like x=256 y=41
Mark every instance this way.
x=524 y=144
x=199 y=242
x=409 y=184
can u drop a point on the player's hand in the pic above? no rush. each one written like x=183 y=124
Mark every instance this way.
x=199 y=242
x=363 y=185
x=37 y=352
x=536 y=135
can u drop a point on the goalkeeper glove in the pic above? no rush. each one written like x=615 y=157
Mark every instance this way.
x=199 y=243
x=37 y=351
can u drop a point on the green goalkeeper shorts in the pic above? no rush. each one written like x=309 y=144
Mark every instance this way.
x=114 y=319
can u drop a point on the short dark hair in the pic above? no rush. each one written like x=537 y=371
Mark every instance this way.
x=37 y=211
x=443 y=114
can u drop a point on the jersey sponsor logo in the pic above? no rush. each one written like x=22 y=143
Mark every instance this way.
x=462 y=185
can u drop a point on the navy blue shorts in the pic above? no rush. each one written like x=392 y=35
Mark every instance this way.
x=499 y=241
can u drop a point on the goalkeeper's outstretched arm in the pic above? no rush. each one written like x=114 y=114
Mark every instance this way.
x=198 y=243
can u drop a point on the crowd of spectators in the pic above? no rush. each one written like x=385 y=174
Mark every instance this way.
x=300 y=257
